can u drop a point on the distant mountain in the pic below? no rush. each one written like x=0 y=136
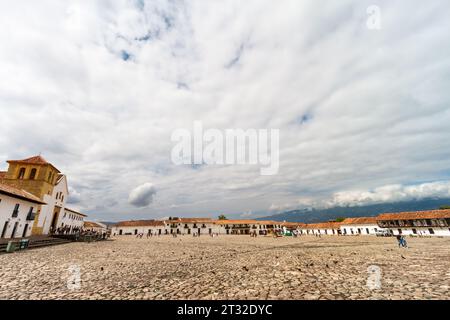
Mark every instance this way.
x=321 y=215
x=108 y=223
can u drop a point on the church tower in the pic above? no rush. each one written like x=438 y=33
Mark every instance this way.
x=38 y=177
x=35 y=175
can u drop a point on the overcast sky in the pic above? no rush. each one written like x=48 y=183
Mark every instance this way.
x=99 y=86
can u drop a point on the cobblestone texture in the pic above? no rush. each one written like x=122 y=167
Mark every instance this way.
x=231 y=267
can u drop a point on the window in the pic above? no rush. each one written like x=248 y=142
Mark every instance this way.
x=22 y=173
x=30 y=215
x=49 y=176
x=16 y=211
x=33 y=174
x=431 y=231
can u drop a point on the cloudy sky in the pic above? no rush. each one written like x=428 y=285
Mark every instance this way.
x=98 y=87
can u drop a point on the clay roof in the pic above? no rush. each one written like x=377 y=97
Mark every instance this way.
x=259 y=222
x=431 y=214
x=361 y=221
x=91 y=224
x=39 y=160
x=268 y=222
x=292 y=224
x=140 y=223
x=237 y=222
x=76 y=212
x=19 y=193
x=324 y=225
x=191 y=220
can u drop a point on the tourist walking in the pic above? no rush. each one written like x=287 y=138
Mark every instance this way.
x=404 y=244
x=399 y=240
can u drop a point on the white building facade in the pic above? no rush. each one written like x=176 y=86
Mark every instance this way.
x=434 y=223
x=69 y=222
x=150 y=227
x=325 y=228
x=195 y=226
x=17 y=212
x=359 y=226
x=51 y=215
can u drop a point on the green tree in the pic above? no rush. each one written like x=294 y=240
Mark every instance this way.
x=444 y=207
x=222 y=217
x=340 y=219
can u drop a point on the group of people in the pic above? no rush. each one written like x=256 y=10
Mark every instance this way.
x=65 y=230
x=402 y=241
x=253 y=234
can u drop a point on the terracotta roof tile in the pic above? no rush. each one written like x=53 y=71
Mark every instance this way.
x=292 y=224
x=237 y=222
x=360 y=220
x=140 y=223
x=91 y=224
x=431 y=214
x=191 y=220
x=258 y=222
x=34 y=160
x=269 y=222
x=19 y=193
x=39 y=160
x=324 y=225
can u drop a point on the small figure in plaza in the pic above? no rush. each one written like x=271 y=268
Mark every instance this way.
x=404 y=243
x=399 y=240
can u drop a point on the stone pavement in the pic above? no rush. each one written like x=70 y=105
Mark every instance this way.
x=230 y=267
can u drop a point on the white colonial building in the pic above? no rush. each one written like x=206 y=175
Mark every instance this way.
x=17 y=211
x=248 y=226
x=418 y=223
x=69 y=222
x=43 y=180
x=324 y=228
x=198 y=226
x=135 y=227
x=359 y=226
x=195 y=226
x=52 y=215
x=95 y=227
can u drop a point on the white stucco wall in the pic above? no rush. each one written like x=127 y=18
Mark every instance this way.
x=424 y=231
x=46 y=215
x=7 y=205
x=215 y=228
x=365 y=229
x=70 y=219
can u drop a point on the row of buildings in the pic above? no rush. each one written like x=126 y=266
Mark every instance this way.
x=33 y=200
x=34 y=194
x=422 y=223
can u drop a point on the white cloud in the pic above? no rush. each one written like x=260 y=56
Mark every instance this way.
x=99 y=86
x=392 y=193
x=74 y=196
x=142 y=196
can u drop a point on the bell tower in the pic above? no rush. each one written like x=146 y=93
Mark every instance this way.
x=35 y=175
